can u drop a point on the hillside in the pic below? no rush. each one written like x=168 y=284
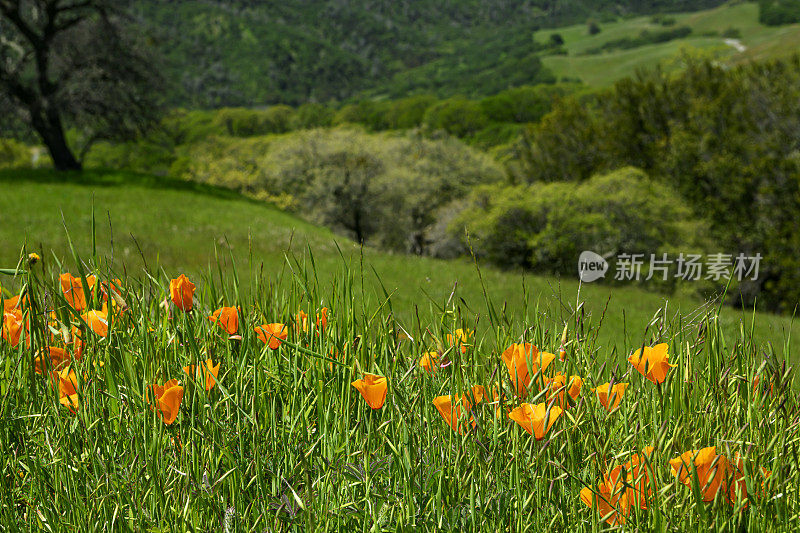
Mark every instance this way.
x=730 y=32
x=135 y=212
x=256 y=53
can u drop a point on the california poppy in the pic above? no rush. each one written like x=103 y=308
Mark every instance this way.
x=535 y=419
x=73 y=290
x=10 y=304
x=714 y=472
x=272 y=334
x=610 y=399
x=181 y=291
x=516 y=359
x=450 y=407
x=208 y=375
x=227 y=318
x=66 y=382
x=653 y=363
x=430 y=362
x=322 y=319
x=168 y=400
x=558 y=387
x=373 y=388
x=460 y=338
x=98 y=321
x=58 y=358
x=13 y=326
x=634 y=475
x=610 y=499
x=301 y=321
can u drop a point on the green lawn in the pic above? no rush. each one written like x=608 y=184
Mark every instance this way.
x=603 y=69
x=180 y=227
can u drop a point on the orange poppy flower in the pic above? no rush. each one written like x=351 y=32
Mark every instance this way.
x=763 y=389
x=73 y=290
x=450 y=407
x=208 y=374
x=653 y=363
x=301 y=321
x=272 y=334
x=430 y=362
x=634 y=475
x=322 y=319
x=58 y=358
x=535 y=419
x=611 y=501
x=10 y=304
x=181 y=291
x=67 y=383
x=516 y=359
x=227 y=318
x=13 y=326
x=714 y=472
x=558 y=387
x=460 y=338
x=612 y=399
x=168 y=400
x=373 y=388
x=98 y=321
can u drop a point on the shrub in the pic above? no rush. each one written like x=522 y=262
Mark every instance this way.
x=545 y=227
x=14 y=154
x=556 y=40
x=593 y=27
x=778 y=12
x=241 y=122
x=457 y=116
x=313 y=115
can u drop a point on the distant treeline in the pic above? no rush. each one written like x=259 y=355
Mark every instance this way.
x=778 y=12
x=644 y=38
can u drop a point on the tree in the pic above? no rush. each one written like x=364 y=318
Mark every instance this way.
x=73 y=63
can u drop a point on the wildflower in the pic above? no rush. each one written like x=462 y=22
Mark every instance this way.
x=9 y=304
x=610 y=399
x=558 y=388
x=635 y=477
x=430 y=362
x=301 y=321
x=98 y=321
x=67 y=384
x=460 y=337
x=208 y=375
x=373 y=388
x=73 y=290
x=58 y=358
x=13 y=326
x=611 y=500
x=227 y=318
x=714 y=471
x=450 y=407
x=535 y=419
x=272 y=334
x=322 y=319
x=767 y=388
x=653 y=363
x=181 y=291
x=33 y=258
x=516 y=359
x=168 y=400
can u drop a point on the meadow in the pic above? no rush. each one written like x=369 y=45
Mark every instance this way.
x=239 y=401
x=758 y=42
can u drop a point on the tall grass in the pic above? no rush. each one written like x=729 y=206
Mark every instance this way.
x=284 y=442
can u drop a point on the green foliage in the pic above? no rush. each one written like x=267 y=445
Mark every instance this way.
x=240 y=122
x=457 y=116
x=524 y=104
x=725 y=139
x=778 y=12
x=545 y=227
x=14 y=154
x=313 y=115
x=593 y=28
x=382 y=189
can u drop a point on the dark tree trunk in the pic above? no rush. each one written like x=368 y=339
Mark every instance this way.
x=49 y=127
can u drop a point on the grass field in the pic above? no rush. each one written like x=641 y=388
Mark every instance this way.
x=186 y=228
x=306 y=434
x=760 y=42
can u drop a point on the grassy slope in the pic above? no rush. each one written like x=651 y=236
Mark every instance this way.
x=180 y=226
x=762 y=42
